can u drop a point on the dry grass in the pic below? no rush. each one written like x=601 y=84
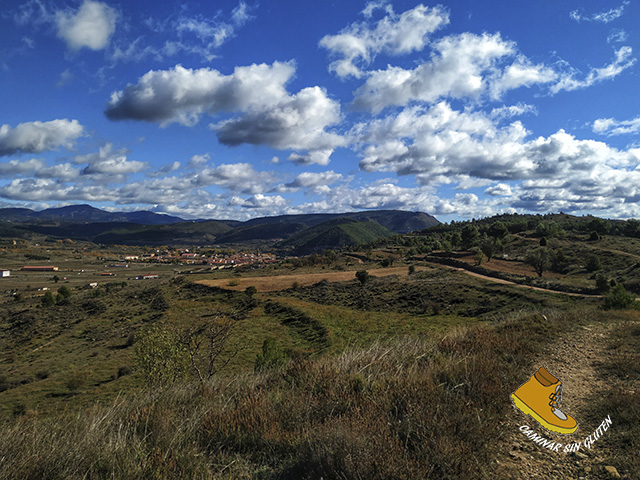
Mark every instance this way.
x=407 y=408
x=283 y=282
x=622 y=400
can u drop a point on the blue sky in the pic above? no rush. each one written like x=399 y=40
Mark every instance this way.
x=227 y=109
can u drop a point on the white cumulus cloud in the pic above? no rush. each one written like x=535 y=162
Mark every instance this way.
x=610 y=126
x=91 y=26
x=36 y=137
x=266 y=114
x=459 y=68
x=18 y=167
x=109 y=165
x=237 y=177
x=182 y=95
x=359 y=43
x=501 y=189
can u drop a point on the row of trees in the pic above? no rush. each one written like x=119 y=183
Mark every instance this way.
x=61 y=298
x=544 y=225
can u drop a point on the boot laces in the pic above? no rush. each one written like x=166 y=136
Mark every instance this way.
x=556 y=397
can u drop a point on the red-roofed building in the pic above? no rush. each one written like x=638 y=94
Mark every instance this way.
x=30 y=268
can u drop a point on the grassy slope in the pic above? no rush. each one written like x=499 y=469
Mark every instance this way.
x=622 y=400
x=89 y=336
x=374 y=412
x=619 y=256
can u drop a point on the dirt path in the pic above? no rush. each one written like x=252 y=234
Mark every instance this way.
x=619 y=252
x=572 y=359
x=508 y=282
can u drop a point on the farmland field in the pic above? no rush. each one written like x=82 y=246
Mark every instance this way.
x=282 y=282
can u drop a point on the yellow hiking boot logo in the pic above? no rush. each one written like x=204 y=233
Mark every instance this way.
x=540 y=398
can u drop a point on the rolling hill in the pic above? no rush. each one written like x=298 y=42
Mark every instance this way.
x=397 y=221
x=336 y=233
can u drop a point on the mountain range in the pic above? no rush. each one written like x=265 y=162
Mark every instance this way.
x=84 y=213
x=300 y=234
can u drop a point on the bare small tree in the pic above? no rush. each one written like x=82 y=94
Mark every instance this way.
x=206 y=345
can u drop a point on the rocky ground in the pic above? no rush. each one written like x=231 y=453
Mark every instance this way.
x=573 y=359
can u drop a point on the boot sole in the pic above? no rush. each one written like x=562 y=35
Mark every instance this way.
x=524 y=408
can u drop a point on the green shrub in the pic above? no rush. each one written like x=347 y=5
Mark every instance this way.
x=477 y=255
x=161 y=356
x=602 y=284
x=619 y=299
x=272 y=356
x=539 y=259
x=76 y=380
x=363 y=276
x=64 y=291
x=593 y=263
x=48 y=300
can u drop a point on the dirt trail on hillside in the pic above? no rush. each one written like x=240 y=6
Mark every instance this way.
x=508 y=282
x=572 y=359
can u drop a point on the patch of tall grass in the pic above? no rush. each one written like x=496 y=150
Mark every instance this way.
x=411 y=407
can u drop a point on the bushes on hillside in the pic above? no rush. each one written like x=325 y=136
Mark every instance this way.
x=166 y=353
x=48 y=299
x=602 y=283
x=593 y=263
x=619 y=299
x=362 y=276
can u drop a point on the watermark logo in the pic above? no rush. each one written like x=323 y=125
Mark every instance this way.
x=571 y=447
x=540 y=397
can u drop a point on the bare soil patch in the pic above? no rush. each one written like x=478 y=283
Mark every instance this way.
x=282 y=282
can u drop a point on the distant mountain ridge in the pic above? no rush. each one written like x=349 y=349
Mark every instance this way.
x=85 y=213
x=398 y=221
x=301 y=234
